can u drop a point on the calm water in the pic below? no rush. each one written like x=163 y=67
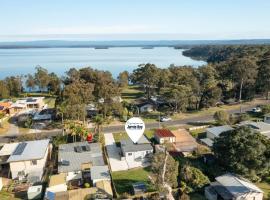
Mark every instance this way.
x=115 y=60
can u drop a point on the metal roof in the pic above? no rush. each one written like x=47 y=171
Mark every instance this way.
x=164 y=133
x=76 y=159
x=142 y=145
x=8 y=148
x=217 y=130
x=100 y=172
x=34 y=150
x=237 y=186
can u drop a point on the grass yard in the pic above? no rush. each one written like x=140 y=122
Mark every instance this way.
x=264 y=186
x=7 y=196
x=123 y=180
x=199 y=133
x=131 y=93
x=120 y=136
x=50 y=101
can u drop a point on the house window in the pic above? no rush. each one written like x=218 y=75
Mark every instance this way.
x=33 y=162
x=129 y=154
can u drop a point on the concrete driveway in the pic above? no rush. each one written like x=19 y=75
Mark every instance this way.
x=114 y=154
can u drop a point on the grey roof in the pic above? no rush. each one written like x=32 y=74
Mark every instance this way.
x=75 y=159
x=236 y=186
x=217 y=130
x=143 y=144
x=207 y=141
x=262 y=127
x=100 y=172
x=33 y=150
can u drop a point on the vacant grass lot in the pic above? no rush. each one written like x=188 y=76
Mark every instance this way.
x=123 y=180
x=131 y=93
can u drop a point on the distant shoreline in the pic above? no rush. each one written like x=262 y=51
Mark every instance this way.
x=147 y=44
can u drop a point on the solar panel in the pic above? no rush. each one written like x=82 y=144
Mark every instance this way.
x=86 y=148
x=19 y=149
x=78 y=149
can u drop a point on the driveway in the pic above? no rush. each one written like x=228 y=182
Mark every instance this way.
x=114 y=154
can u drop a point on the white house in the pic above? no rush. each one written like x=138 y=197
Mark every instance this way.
x=146 y=107
x=267 y=118
x=164 y=135
x=229 y=186
x=214 y=132
x=136 y=155
x=28 y=159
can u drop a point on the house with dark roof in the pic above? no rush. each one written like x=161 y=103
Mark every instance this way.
x=27 y=160
x=76 y=158
x=164 y=135
x=261 y=127
x=136 y=154
x=232 y=187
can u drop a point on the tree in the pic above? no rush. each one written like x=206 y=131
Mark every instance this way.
x=41 y=78
x=263 y=79
x=243 y=151
x=14 y=85
x=165 y=172
x=54 y=84
x=244 y=71
x=123 y=79
x=99 y=121
x=222 y=117
x=210 y=92
x=146 y=75
x=4 y=92
x=192 y=179
x=266 y=109
x=178 y=96
x=30 y=82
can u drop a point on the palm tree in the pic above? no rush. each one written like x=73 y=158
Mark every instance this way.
x=99 y=121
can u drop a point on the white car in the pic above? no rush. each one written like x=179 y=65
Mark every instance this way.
x=165 y=119
x=256 y=110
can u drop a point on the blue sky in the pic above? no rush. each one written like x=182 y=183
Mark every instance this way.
x=134 y=19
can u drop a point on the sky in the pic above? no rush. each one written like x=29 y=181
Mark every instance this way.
x=134 y=19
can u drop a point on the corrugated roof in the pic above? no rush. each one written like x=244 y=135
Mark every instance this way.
x=33 y=150
x=217 y=130
x=237 y=186
x=76 y=159
x=164 y=133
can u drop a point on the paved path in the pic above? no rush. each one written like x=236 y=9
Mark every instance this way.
x=113 y=153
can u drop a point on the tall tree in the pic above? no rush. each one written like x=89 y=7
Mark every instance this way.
x=54 y=84
x=30 y=82
x=263 y=79
x=146 y=75
x=4 y=91
x=244 y=71
x=123 y=79
x=41 y=78
x=14 y=85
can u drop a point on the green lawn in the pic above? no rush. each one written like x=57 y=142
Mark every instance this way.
x=120 y=136
x=266 y=188
x=123 y=180
x=7 y=196
x=132 y=93
x=199 y=133
x=50 y=101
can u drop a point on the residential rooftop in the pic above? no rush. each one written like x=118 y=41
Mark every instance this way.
x=217 y=130
x=30 y=150
x=143 y=144
x=262 y=127
x=100 y=172
x=71 y=156
x=164 y=133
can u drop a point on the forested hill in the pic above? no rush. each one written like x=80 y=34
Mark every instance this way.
x=220 y=53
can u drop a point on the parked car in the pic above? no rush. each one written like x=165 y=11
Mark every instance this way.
x=256 y=110
x=165 y=119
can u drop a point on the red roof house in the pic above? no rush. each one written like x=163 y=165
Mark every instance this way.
x=164 y=135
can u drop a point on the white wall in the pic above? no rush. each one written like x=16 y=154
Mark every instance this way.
x=167 y=139
x=27 y=167
x=267 y=120
x=135 y=155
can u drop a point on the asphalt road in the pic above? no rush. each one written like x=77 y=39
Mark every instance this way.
x=121 y=128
